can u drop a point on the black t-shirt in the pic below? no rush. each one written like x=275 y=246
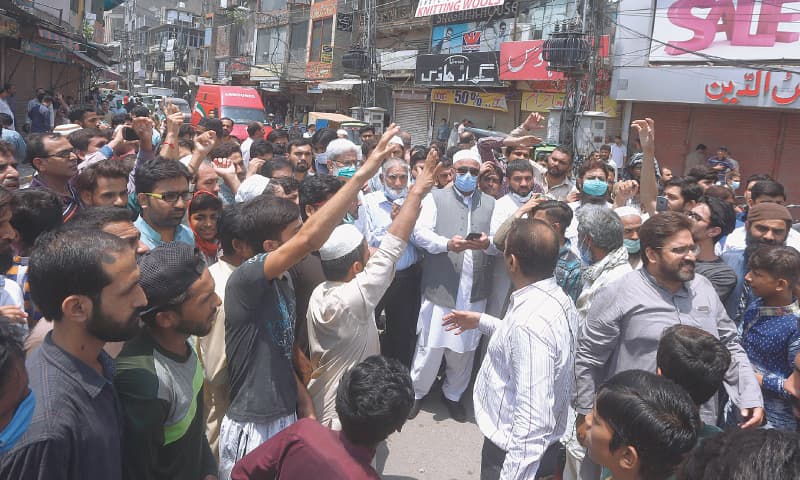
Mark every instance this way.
x=259 y=334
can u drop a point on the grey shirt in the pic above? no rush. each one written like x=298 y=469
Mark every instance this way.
x=626 y=321
x=721 y=276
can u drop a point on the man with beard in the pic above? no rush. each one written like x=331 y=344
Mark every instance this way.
x=767 y=224
x=159 y=378
x=300 y=154
x=628 y=316
x=88 y=284
x=162 y=188
x=55 y=162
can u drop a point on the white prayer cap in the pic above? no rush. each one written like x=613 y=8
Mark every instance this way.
x=66 y=129
x=625 y=211
x=344 y=239
x=398 y=141
x=466 y=155
x=251 y=188
x=341 y=133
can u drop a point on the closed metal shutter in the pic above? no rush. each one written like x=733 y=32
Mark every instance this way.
x=414 y=117
x=672 y=125
x=788 y=166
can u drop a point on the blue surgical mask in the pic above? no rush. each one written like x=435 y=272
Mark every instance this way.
x=18 y=425
x=520 y=199
x=633 y=246
x=346 y=172
x=595 y=187
x=466 y=183
x=393 y=195
x=735 y=185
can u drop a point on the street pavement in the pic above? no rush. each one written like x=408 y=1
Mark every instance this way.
x=433 y=445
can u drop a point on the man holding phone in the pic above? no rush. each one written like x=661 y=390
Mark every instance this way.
x=452 y=229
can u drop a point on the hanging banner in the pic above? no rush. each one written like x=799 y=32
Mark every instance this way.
x=468 y=69
x=427 y=8
x=506 y=10
x=471 y=37
x=8 y=27
x=544 y=101
x=42 y=51
x=484 y=100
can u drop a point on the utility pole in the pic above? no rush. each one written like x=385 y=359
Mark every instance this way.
x=368 y=83
x=128 y=40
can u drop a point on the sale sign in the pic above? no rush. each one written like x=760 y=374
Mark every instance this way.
x=523 y=61
x=702 y=30
x=470 y=98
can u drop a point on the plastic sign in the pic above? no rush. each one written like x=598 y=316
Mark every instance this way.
x=776 y=89
x=484 y=100
x=427 y=8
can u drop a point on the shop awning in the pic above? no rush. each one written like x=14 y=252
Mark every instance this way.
x=344 y=84
x=58 y=38
x=86 y=59
x=331 y=117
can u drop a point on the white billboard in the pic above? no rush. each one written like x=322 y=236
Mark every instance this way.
x=426 y=8
x=705 y=30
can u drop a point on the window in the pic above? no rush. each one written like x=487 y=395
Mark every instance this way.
x=271 y=5
x=299 y=36
x=321 y=34
x=271 y=46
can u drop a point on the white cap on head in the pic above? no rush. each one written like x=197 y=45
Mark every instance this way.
x=343 y=240
x=625 y=211
x=341 y=132
x=466 y=155
x=251 y=188
x=67 y=128
x=398 y=141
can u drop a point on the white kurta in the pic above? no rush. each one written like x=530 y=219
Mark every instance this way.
x=501 y=284
x=430 y=332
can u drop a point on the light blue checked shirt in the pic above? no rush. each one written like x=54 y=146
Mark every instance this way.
x=378 y=217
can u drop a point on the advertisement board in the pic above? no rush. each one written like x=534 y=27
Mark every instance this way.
x=481 y=36
x=523 y=61
x=476 y=69
x=701 y=30
x=470 y=98
x=427 y=8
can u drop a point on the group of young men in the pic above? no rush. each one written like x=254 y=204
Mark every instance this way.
x=624 y=323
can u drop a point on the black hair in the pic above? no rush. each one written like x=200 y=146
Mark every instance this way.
x=535 y=245
x=6 y=120
x=590 y=164
x=300 y=142
x=260 y=147
x=374 y=399
x=779 y=261
x=186 y=131
x=701 y=172
x=767 y=188
x=336 y=270
x=465 y=138
x=35 y=211
x=651 y=414
x=366 y=128
x=119 y=118
x=252 y=128
x=518 y=166
x=275 y=164
x=212 y=124
x=722 y=215
x=140 y=111
x=556 y=212
x=70 y=262
x=694 y=359
x=367 y=147
x=450 y=152
x=96 y=218
x=566 y=151
x=288 y=184
x=264 y=218
x=658 y=228
x=745 y=454
x=12 y=352
x=228 y=227
x=156 y=170
x=276 y=135
x=224 y=150
x=86 y=181
x=228 y=119
x=205 y=201
x=690 y=189
x=317 y=189
x=419 y=153
x=322 y=137
x=757 y=177
x=76 y=113
x=35 y=146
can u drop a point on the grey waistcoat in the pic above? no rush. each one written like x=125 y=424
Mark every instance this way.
x=441 y=273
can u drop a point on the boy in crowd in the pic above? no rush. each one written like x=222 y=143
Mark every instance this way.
x=696 y=361
x=770 y=331
x=641 y=427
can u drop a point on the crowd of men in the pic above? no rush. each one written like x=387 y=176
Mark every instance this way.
x=180 y=305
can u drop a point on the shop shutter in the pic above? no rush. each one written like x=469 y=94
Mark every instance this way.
x=413 y=116
x=672 y=125
x=788 y=164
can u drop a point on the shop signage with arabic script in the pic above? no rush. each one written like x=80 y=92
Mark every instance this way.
x=468 y=69
x=768 y=89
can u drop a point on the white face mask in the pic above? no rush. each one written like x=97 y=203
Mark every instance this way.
x=519 y=198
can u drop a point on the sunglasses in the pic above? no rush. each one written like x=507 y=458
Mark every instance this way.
x=472 y=171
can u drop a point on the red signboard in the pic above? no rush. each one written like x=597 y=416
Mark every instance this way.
x=523 y=61
x=323 y=9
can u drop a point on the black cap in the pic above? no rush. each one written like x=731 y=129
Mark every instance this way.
x=168 y=271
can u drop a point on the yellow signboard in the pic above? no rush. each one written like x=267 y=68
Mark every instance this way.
x=470 y=98
x=544 y=101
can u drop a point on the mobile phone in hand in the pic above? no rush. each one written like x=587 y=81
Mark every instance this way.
x=473 y=236
x=661 y=204
x=129 y=134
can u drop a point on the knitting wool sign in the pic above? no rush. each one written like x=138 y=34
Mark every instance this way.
x=426 y=8
x=699 y=30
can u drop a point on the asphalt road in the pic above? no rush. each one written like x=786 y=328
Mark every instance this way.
x=433 y=446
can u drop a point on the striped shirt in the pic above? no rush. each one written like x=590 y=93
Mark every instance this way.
x=523 y=389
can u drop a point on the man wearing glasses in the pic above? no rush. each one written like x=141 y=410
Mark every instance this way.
x=55 y=162
x=628 y=316
x=162 y=188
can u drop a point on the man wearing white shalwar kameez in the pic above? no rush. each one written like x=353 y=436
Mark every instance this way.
x=456 y=275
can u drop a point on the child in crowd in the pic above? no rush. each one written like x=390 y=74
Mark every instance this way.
x=696 y=361
x=204 y=211
x=641 y=426
x=769 y=329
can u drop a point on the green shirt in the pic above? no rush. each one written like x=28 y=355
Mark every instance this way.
x=164 y=431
